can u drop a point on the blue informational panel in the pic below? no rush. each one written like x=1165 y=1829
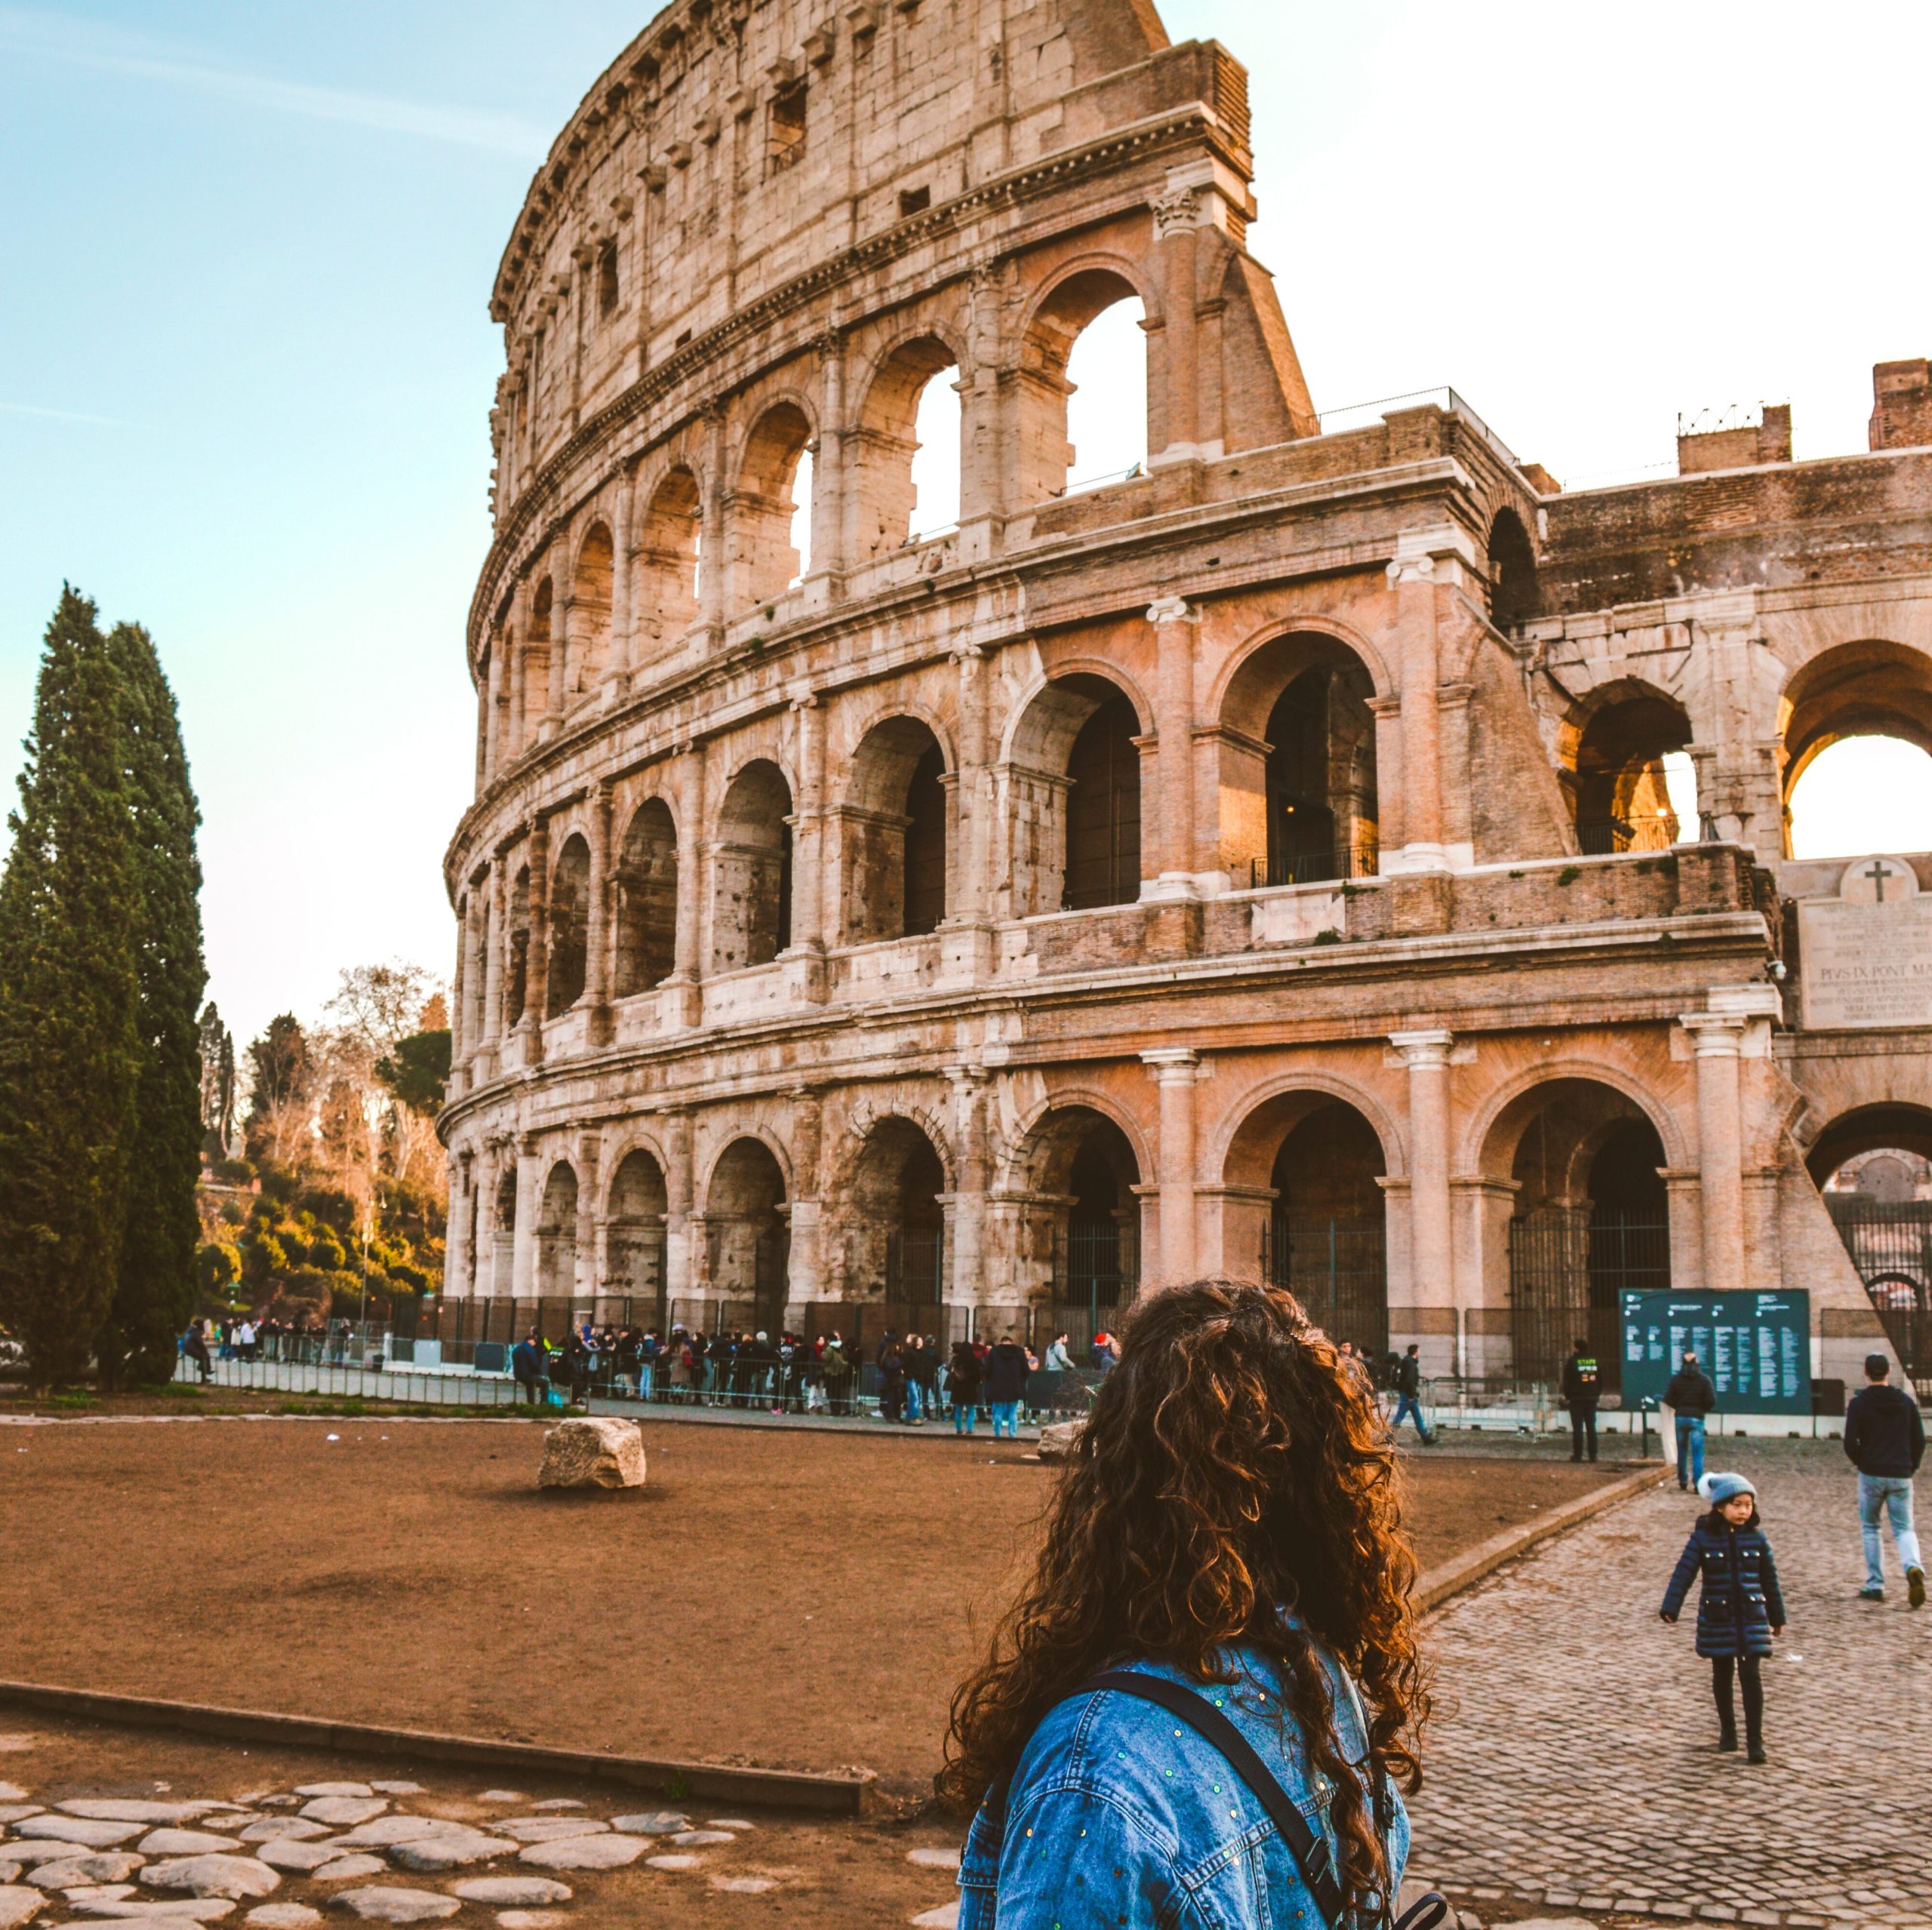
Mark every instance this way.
x=1755 y=1346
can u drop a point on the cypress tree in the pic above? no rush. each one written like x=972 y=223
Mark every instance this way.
x=70 y=1052
x=161 y=1227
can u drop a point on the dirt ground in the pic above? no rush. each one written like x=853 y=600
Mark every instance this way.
x=788 y=1599
x=825 y=1875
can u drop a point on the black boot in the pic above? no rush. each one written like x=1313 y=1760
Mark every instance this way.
x=1754 y=1752
x=1728 y=1742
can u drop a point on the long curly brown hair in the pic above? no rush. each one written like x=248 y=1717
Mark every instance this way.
x=1233 y=1467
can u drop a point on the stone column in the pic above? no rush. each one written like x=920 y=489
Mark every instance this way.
x=498 y=688
x=536 y=959
x=971 y=854
x=558 y=696
x=683 y=1002
x=496 y=943
x=967 y=1261
x=805 y=1279
x=597 y=963
x=1176 y=630
x=523 y=1256
x=1177 y=225
x=518 y=673
x=1431 y=1279
x=809 y=853
x=1717 y=1038
x=1428 y=563
x=832 y=484
x=590 y=1219
x=484 y=719
x=623 y=622
x=459 y=1257
x=459 y=988
x=679 y=1271
x=1176 y=1071
x=712 y=538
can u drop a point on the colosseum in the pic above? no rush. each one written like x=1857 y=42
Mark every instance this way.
x=1263 y=861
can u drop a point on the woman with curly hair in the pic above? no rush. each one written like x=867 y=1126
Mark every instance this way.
x=1226 y=1547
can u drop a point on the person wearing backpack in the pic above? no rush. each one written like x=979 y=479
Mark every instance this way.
x=1740 y=1609
x=1582 y=1383
x=1690 y=1397
x=1164 y=1732
x=1885 y=1440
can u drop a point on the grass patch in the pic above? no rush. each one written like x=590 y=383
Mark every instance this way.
x=71 y=1402
x=1568 y=876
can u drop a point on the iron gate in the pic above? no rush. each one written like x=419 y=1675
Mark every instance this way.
x=1566 y=1276
x=915 y=1266
x=1097 y=1273
x=1338 y=1269
x=1890 y=1244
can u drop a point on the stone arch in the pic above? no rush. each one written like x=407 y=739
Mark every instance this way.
x=503 y=1233
x=1081 y=1168
x=516 y=978
x=646 y=921
x=669 y=555
x=1575 y=1163
x=1865 y=1129
x=866 y=1116
x=1871 y=688
x=536 y=646
x=747 y=1230
x=569 y=926
x=882 y=446
x=1300 y=799
x=751 y=921
x=894 y=834
x=591 y=594
x=1303 y=1174
x=556 y=1234
x=1610 y=761
x=1063 y=309
x=638 y=1207
x=890 y=1215
x=1074 y=796
x=1480 y=1145
x=761 y=562
x=1514 y=595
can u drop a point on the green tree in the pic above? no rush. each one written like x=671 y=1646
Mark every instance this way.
x=217 y=1055
x=70 y=1059
x=418 y=1070
x=155 y=1292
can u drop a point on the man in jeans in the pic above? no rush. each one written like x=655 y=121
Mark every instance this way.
x=1408 y=1386
x=1690 y=1397
x=1885 y=1438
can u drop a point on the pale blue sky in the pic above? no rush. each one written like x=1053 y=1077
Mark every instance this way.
x=245 y=364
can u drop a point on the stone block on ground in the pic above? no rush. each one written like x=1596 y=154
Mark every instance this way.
x=652 y=1823
x=97 y=1892
x=549 y=1829
x=213 y=1875
x=452 y=1850
x=593 y=1453
x=349 y=1810
x=745 y=1886
x=176 y=1911
x=382 y=1903
x=115 y=1809
x=99 y=1866
x=702 y=1838
x=1056 y=1441
x=19 y=1905
x=90 y=1832
x=605 y=1852
x=185 y=1843
x=12 y=1792
x=345 y=1868
x=674 y=1863
x=335 y=1789
x=284 y=1854
x=512 y=1892
x=933 y=1859
x=284 y=1916
x=18 y=1812
x=283 y=1829
x=386 y=1831
x=530 y=1919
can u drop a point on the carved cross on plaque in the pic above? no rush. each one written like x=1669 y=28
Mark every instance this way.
x=1879 y=872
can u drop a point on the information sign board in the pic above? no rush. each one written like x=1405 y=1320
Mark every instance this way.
x=1756 y=1348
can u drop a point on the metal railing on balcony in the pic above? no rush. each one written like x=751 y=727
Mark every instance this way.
x=1645 y=831
x=1315 y=865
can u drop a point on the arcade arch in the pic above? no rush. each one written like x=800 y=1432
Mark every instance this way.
x=1298 y=793
x=1081 y=1219
x=570 y=927
x=670 y=550
x=1305 y=1212
x=766 y=554
x=516 y=979
x=1624 y=754
x=1582 y=1166
x=1513 y=593
x=556 y=1235
x=536 y=672
x=895 y=1234
x=1866 y=690
x=1073 y=780
x=647 y=902
x=590 y=647
x=1048 y=376
x=897 y=498
x=748 y=1238
x=634 y=1236
x=750 y=918
x=892 y=831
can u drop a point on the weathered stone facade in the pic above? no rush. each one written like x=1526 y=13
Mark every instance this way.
x=1124 y=883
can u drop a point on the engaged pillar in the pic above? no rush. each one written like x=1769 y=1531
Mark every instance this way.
x=1431 y=1280
x=1719 y=1038
x=1177 y=1071
x=1175 y=627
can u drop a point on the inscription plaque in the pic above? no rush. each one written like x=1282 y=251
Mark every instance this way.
x=1866 y=954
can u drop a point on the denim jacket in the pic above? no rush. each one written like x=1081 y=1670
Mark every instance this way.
x=1120 y=1816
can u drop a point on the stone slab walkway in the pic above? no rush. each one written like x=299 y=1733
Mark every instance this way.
x=1572 y=1764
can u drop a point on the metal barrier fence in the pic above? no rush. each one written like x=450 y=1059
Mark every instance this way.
x=1567 y=1274
x=1890 y=1244
x=297 y=1381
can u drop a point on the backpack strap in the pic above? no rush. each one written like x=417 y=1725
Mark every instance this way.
x=1310 y=1852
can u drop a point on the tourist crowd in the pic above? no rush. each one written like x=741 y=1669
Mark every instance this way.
x=908 y=1378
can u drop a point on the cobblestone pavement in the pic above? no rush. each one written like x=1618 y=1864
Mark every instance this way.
x=1572 y=1764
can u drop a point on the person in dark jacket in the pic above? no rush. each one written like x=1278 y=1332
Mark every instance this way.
x=529 y=1368
x=1582 y=1383
x=1408 y=1392
x=1007 y=1369
x=1740 y=1611
x=1690 y=1397
x=962 y=1386
x=1885 y=1438
x=890 y=1361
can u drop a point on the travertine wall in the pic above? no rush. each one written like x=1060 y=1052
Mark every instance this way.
x=682 y=984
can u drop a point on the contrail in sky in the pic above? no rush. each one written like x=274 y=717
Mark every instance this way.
x=61 y=415
x=90 y=44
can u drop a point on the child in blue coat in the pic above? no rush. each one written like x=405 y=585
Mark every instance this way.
x=1741 y=1610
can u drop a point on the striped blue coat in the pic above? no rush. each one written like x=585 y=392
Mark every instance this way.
x=1741 y=1602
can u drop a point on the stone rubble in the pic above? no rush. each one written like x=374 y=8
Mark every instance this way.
x=283 y=1829
x=345 y=1868
x=92 y=1834
x=345 y=1808
x=654 y=1823
x=109 y=1866
x=18 y=1905
x=185 y=1843
x=512 y=1892
x=214 y=1876
x=282 y=1854
x=605 y=1852
x=584 y=1453
x=450 y=1850
x=386 y=1903
x=283 y=1917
